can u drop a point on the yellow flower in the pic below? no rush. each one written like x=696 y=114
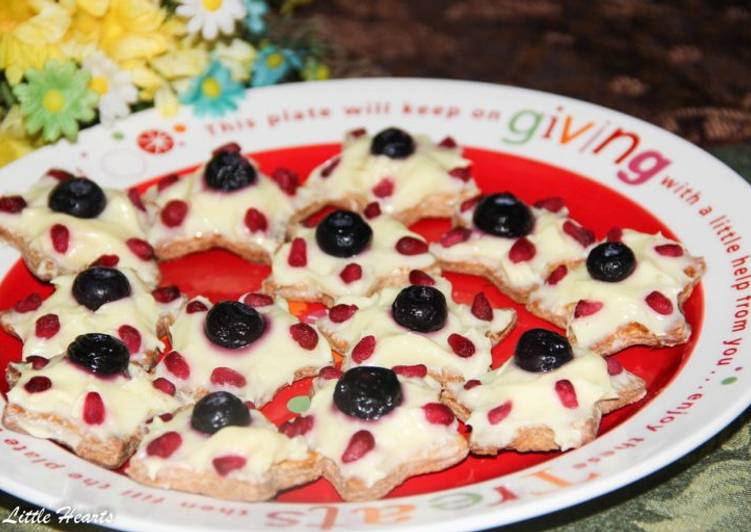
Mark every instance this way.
x=13 y=140
x=238 y=56
x=30 y=32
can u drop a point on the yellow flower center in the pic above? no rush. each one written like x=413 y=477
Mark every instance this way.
x=274 y=60
x=53 y=101
x=99 y=84
x=211 y=88
x=211 y=5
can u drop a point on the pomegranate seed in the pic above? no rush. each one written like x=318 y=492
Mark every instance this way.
x=455 y=236
x=31 y=302
x=554 y=204
x=287 y=180
x=93 y=409
x=409 y=245
x=255 y=220
x=37 y=362
x=47 y=326
x=586 y=308
x=461 y=346
x=38 y=384
x=251 y=405
x=329 y=168
x=167 y=181
x=659 y=303
x=416 y=370
x=556 y=275
x=615 y=234
x=12 y=204
x=196 y=306
x=481 y=308
x=372 y=210
x=140 y=248
x=469 y=203
x=305 y=335
x=438 y=414
x=360 y=444
x=60 y=175
x=258 y=300
x=356 y=133
x=522 y=251
x=447 y=142
x=60 y=237
x=230 y=147
x=135 y=198
x=164 y=445
x=352 y=272
x=420 y=277
x=164 y=385
x=130 y=337
x=330 y=373
x=614 y=367
x=566 y=393
x=297 y=426
x=669 y=250
x=384 y=188
x=364 y=349
x=223 y=376
x=176 y=364
x=461 y=173
x=166 y=417
x=298 y=253
x=471 y=383
x=174 y=213
x=584 y=236
x=166 y=294
x=107 y=261
x=342 y=312
x=499 y=413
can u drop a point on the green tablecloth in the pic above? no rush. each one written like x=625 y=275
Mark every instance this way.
x=709 y=489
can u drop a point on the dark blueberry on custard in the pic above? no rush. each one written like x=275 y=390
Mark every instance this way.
x=503 y=215
x=611 y=262
x=101 y=354
x=420 y=308
x=218 y=410
x=540 y=350
x=393 y=143
x=343 y=234
x=233 y=324
x=79 y=197
x=96 y=286
x=368 y=392
x=228 y=171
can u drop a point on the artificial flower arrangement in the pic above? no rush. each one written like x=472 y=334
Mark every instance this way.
x=68 y=64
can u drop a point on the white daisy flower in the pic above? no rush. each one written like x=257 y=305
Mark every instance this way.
x=114 y=86
x=211 y=16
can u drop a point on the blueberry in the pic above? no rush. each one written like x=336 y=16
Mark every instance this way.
x=611 y=262
x=368 y=392
x=229 y=171
x=218 y=410
x=79 y=197
x=393 y=143
x=101 y=354
x=343 y=234
x=96 y=286
x=420 y=308
x=503 y=215
x=540 y=350
x=233 y=324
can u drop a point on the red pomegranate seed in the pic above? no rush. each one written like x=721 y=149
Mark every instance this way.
x=455 y=236
x=107 y=261
x=327 y=170
x=47 y=326
x=298 y=253
x=164 y=445
x=37 y=362
x=174 y=213
x=438 y=414
x=659 y=303
x=60 y=237
x=31 y=302
x=384 y=188
x=461 y=173
x=196 y=306
x=223 y=376
x=166 y=294
x=421 y=278
x=372 y=210
x=447 y=142
x=615 y=234
x=167 y=181
x=176 y=364
x=12 y=204
x=315 y=218
x=669 y=250
x=471 y=383
x=499 y=413
x=297 y=426
x=554 y=204
x=522 y=251
x=342 y=312
x=37 y=384
x=584 y=236
x=230 y=147
x=556 y=275
x=330 y=373
x=287 y=180
x=461 y=346
x=164 y=385
x=305 y=335
x=481 y=308
x=258 y=300
x=135 y=198
x=255 y=220
x=251 y=405
x=166 y=417
x=409 y=245
x=140 y=248
x=93 y=409
x=351 y=272
x=130 y=337
x=415 y=370
x=60 y=175
x=469 y=203
x=614 y=367
x=566 y=393
x=364 y=349
x=360 y=444
x=586 y=308
x=356 y=133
